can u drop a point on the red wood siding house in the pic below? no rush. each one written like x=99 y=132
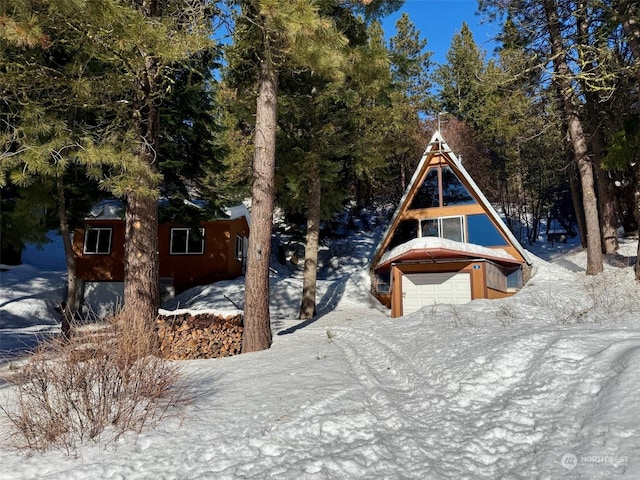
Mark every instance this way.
x=186 y=258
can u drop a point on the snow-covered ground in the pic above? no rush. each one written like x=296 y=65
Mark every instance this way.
x=541 y=385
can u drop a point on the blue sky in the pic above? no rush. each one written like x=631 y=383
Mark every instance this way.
x=439 y=20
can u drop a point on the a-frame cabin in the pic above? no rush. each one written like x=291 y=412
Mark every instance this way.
x=445 y=242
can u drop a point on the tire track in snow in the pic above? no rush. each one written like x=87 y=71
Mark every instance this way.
x=507 y=406
x=394 y=391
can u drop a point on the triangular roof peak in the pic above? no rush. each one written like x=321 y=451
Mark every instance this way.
x=437 y=146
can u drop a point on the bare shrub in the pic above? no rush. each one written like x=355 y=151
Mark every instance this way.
x=95 y=386
x=458 y=319
x=602 y=298
x=612 y=293
x=507 y=313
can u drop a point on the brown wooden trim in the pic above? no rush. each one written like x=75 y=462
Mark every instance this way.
x=437 y=212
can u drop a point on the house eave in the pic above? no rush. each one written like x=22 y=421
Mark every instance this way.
x=437 y=254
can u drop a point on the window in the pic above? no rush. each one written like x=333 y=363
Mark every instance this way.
x=441 y=188
x=451 y=228
x=428 y=195
x=514 y=279
x=239 y=248
x=383 y=282
x=483 y=232
x=405 y=231
x=97 y=241
x=187 y=241
x=429 y=228
x=453 y=190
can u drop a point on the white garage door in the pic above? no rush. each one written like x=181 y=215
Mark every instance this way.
x=421 y=289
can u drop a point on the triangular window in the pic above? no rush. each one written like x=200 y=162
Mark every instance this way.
x=428 y=195
x=453 y=190
x=405 y=231
x=441 y=188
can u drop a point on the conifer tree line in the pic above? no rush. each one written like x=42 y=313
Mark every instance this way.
x=309 y=106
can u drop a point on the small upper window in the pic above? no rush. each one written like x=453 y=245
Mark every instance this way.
x=187 y=241
x=451 y=228
x=97 y=241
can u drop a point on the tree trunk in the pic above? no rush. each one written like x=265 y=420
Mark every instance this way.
x=72 y=304
x=605 y=193
x=257 y=322
x=576 y=197
x=308 y=307
x=579 y=142
x=141 y=268
x=631 y=29
x=141 y=276
x=141 y=264
x=606 y=205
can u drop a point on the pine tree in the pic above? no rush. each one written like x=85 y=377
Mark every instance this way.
x=269 y=35
x=545 y=28
x=411 y=98
x=410 y=65
x=273 y=36
x=461 y=93
x=591 y=55
x=577 y=136
x=114 y=65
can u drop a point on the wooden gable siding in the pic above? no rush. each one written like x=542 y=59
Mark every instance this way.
x=217 y=262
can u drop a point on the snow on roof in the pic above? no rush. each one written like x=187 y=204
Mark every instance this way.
x=238 y=211
x=113 y=209
x=107 y=210
x=443 y=243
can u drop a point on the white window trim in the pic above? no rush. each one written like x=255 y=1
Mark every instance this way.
x=462 y=232
x=188 y=230
x=462 y=229
x=85 y=251
x=239 y=253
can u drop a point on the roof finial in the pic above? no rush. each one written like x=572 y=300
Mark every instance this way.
x=439 y=115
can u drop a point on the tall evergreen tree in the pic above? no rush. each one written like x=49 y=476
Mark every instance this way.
x=576 y=133
x=269 y=35
x=326 y=143
x=461 y=91
x=410 y=64
x=114 y=66
x=273 y=36
x=43 y=111
x=590 y=44
x=411 y=98
x=548 y=25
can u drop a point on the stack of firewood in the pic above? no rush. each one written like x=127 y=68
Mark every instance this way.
x=188 y=336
